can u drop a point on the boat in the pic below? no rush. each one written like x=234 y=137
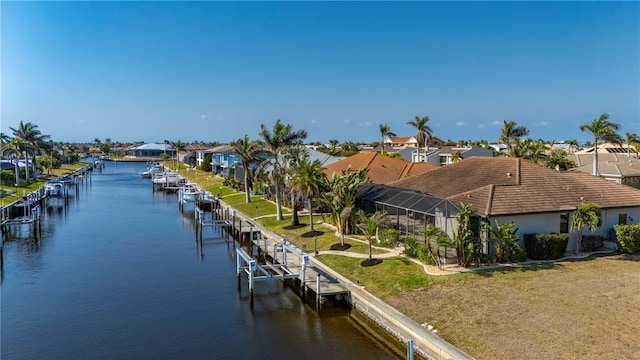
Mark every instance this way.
x=68 y=180
x=98 y=164
x=53 y=189
x=168 y=178
x=152 y=169
x=190 y=192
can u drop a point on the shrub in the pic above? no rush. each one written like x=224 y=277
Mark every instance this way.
x=206 y=162
x=411 y=247
x=592 y=242
x=425 y=256
x=389 y=237
x=628 y=238
x=545 y=246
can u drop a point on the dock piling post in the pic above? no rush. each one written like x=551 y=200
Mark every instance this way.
x=318 y=293
x=410 y=350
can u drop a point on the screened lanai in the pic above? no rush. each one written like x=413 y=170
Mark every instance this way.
x=408 y=210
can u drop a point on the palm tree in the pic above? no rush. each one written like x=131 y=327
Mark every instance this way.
x=4 y=138
x=630 y=138
x=505 y=238
x=509 y=132
x=423 y=135
x=28 y=133
x=310 y=182
x=385 y=130
x=585 y=214
x=370 y=225
x=558 y=160
x=249 y=153
x=456 y=156
x=341 y=198
x=601 y=129
x=573 y=145
x=291 y=158
x=463 y=234
x=536 y=150
x=275 y=141
x=177 y=146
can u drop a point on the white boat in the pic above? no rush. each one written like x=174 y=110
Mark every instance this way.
x=151 y=171
x=190 y=192
x=53 y=189
x=98 y=164
x=168 y=178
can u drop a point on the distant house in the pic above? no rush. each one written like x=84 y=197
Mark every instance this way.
x=503 y=189
x=381 y=168
x=615 y=167
x=445 y=155
x=151 y=150
x=400 y=141
x=606 y=148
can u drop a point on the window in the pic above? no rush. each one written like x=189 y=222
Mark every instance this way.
x=622 y=219
x=564 y=223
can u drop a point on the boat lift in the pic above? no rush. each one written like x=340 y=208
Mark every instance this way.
x=269 y=270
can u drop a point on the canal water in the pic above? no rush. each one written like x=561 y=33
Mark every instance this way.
x=118 y=274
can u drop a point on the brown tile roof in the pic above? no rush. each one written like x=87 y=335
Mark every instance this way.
x=502 y=186
x=382 y=169
x=400 y=139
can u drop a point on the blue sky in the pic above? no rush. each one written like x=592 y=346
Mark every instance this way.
x=214 y=71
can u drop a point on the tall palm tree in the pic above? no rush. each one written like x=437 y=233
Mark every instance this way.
x=291 y=157
x=385 y=130
x=341 y=197
x=249 y=153
x=275 y=141
x=630 y=139
x=509 y=132
x=310 y=182
x=601 y=129
x=423 y=135
x=28 y=133
x=177 y=146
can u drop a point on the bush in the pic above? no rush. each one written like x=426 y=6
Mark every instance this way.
x=411 y=247
x=206 y=163
x=628 y=238
x=592 y=242
x=545 y=246
x=424 y=256
x=389 y=238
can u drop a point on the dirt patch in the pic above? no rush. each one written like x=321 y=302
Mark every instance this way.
x=340 y=247
x=370 y=262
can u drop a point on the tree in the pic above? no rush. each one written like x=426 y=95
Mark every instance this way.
x=558 y=160
x=508 y=133
x=630 y=139
x=275 y=141
x=341 y=198
x=385 y=130
x=585 y=214
x=370 y=225
x=423 y=133
x=177 y=146
x=601 y=129
x=249 y=153
x=505 y=238
x=463 y=233
x=28 y=134
x=310 y=182
x=536 y=151
x=291 y=157
x=456 y=156
x=573 y=145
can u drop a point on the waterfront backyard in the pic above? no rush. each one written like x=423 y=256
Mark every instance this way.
x=571 y=309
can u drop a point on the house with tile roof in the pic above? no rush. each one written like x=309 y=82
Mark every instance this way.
x=151 y=150
x=382 y=169
x=615 y=167
x=534 y=198
x=445 y=154
x=400 y=141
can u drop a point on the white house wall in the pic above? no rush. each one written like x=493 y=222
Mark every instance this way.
x=550 y=222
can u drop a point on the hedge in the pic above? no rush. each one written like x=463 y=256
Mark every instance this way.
x=545 y=246
x=628 y=237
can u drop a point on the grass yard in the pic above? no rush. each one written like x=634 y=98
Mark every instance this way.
x=583 y=309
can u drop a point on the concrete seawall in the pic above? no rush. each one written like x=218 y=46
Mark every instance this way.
x=425 y=343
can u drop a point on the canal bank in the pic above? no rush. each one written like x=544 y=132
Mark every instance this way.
x=423 y=341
